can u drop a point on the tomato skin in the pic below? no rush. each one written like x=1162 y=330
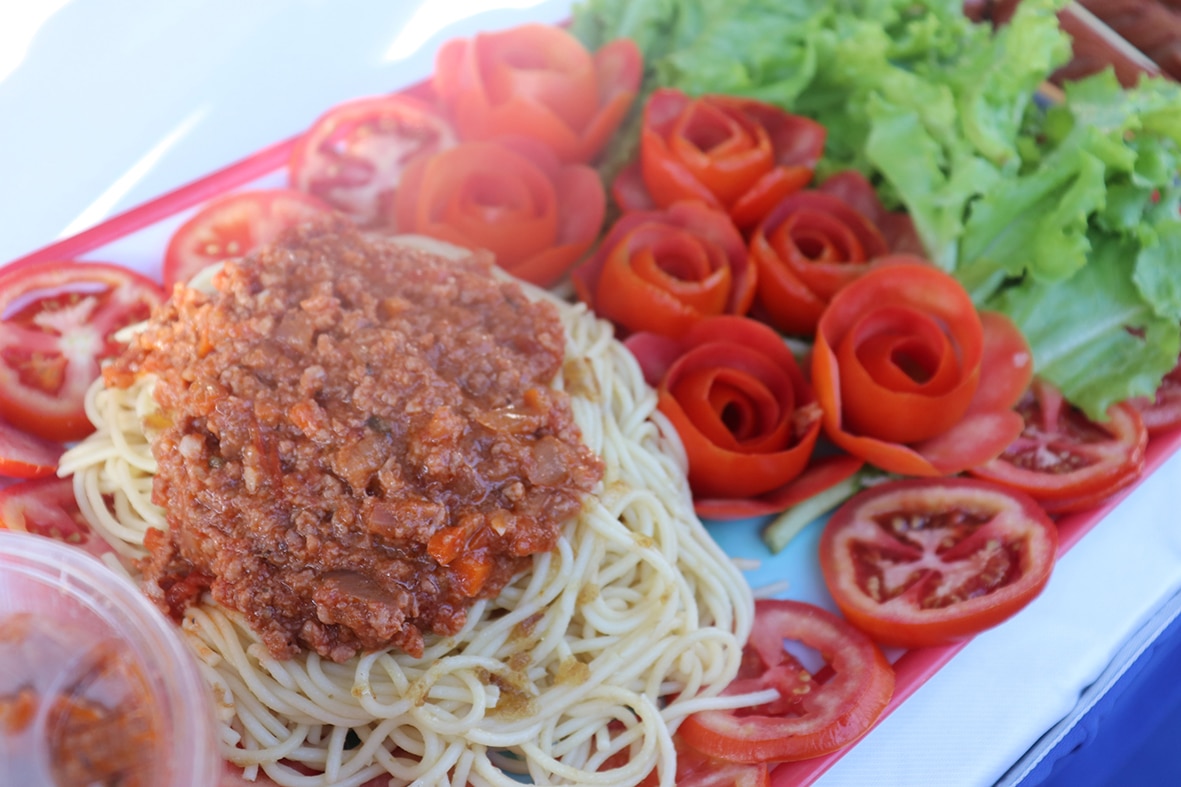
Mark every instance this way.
x=661 y=271
x=815 y=714
x=57 y=323
x=1065 y=461
x=757 y=155
x=23 y=455
x=512 y=197
x=739 y=402
x=897 y=227
x=809 y=246
x=233 y=225
x=538 y=81
x=695 y=769
x=353 y=156
x=1162 y=413
x=47 y=507
x=909 y=375
x=931 y=561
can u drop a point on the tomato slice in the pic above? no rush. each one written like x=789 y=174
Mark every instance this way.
x=23 y=455
x=353 y=155
x=931 y=561
x=1064 y=460
x=817 y=712
x=233 y=225
x=58 y=321
x=46 y=507
x=1162 y=413
x=695 y=769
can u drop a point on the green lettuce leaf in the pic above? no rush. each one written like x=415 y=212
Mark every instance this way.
x=1100 y=160
x=1079 y=332
x=1065 y=217
x=1035 y=222
x=1155 y=273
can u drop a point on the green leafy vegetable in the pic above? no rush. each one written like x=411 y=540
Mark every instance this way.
x=1090 y=224
x=1066 y=218
x=1099 y=321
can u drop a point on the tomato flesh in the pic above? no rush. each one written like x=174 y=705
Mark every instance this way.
x=353 y=155
x=23 y=455
x=695 y=769
x=232 y=226
x=1064 y=460
x=47 y=507
x=58 y=322
x=1162 y=413
x=921 y=562
x=816 y=713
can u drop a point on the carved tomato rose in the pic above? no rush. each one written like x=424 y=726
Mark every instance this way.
x=816 y=241
x=736 y=154
x=911 y=378
x=661 y=271
x=511 y=197
x=744 y=411
x=538 y=81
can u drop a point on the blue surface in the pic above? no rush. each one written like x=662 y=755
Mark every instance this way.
x=1132 y=736
x=796 y=563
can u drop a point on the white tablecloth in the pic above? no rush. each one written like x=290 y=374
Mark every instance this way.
x=117 y=101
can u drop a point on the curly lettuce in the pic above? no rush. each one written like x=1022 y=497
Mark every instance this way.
x=1063 y=216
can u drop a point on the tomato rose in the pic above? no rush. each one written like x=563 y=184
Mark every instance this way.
x=538 y=81
x=511 y=197
x=661 y=271
x=896 y=226
x=736 y=154
x=911 y=378
x=812 y=244
x=745 y=413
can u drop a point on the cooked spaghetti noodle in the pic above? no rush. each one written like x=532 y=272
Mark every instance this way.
x=635 y=620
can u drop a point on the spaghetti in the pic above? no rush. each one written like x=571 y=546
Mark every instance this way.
x=577 y=672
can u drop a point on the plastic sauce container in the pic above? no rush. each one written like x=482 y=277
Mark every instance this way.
x=96 y=685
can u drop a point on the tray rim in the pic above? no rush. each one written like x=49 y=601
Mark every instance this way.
x=912 y=669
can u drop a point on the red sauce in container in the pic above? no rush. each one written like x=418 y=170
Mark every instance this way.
x=89 y=706
x=96 y=686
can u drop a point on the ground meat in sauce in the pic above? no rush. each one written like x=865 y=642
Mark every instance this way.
x=360 y=439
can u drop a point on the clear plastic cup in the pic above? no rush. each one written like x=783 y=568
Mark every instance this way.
x=96 y=685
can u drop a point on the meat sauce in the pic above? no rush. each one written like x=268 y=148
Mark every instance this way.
x=358 y=439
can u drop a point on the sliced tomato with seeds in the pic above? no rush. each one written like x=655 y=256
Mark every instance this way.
x=47 y=507
x=1162 y=413
x=353 y=155
x=931 y=561
x=817 y=712
x=23 y=455
x=234 y=225
x=695 y=769
x=1063 y=459
x=58 y=322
